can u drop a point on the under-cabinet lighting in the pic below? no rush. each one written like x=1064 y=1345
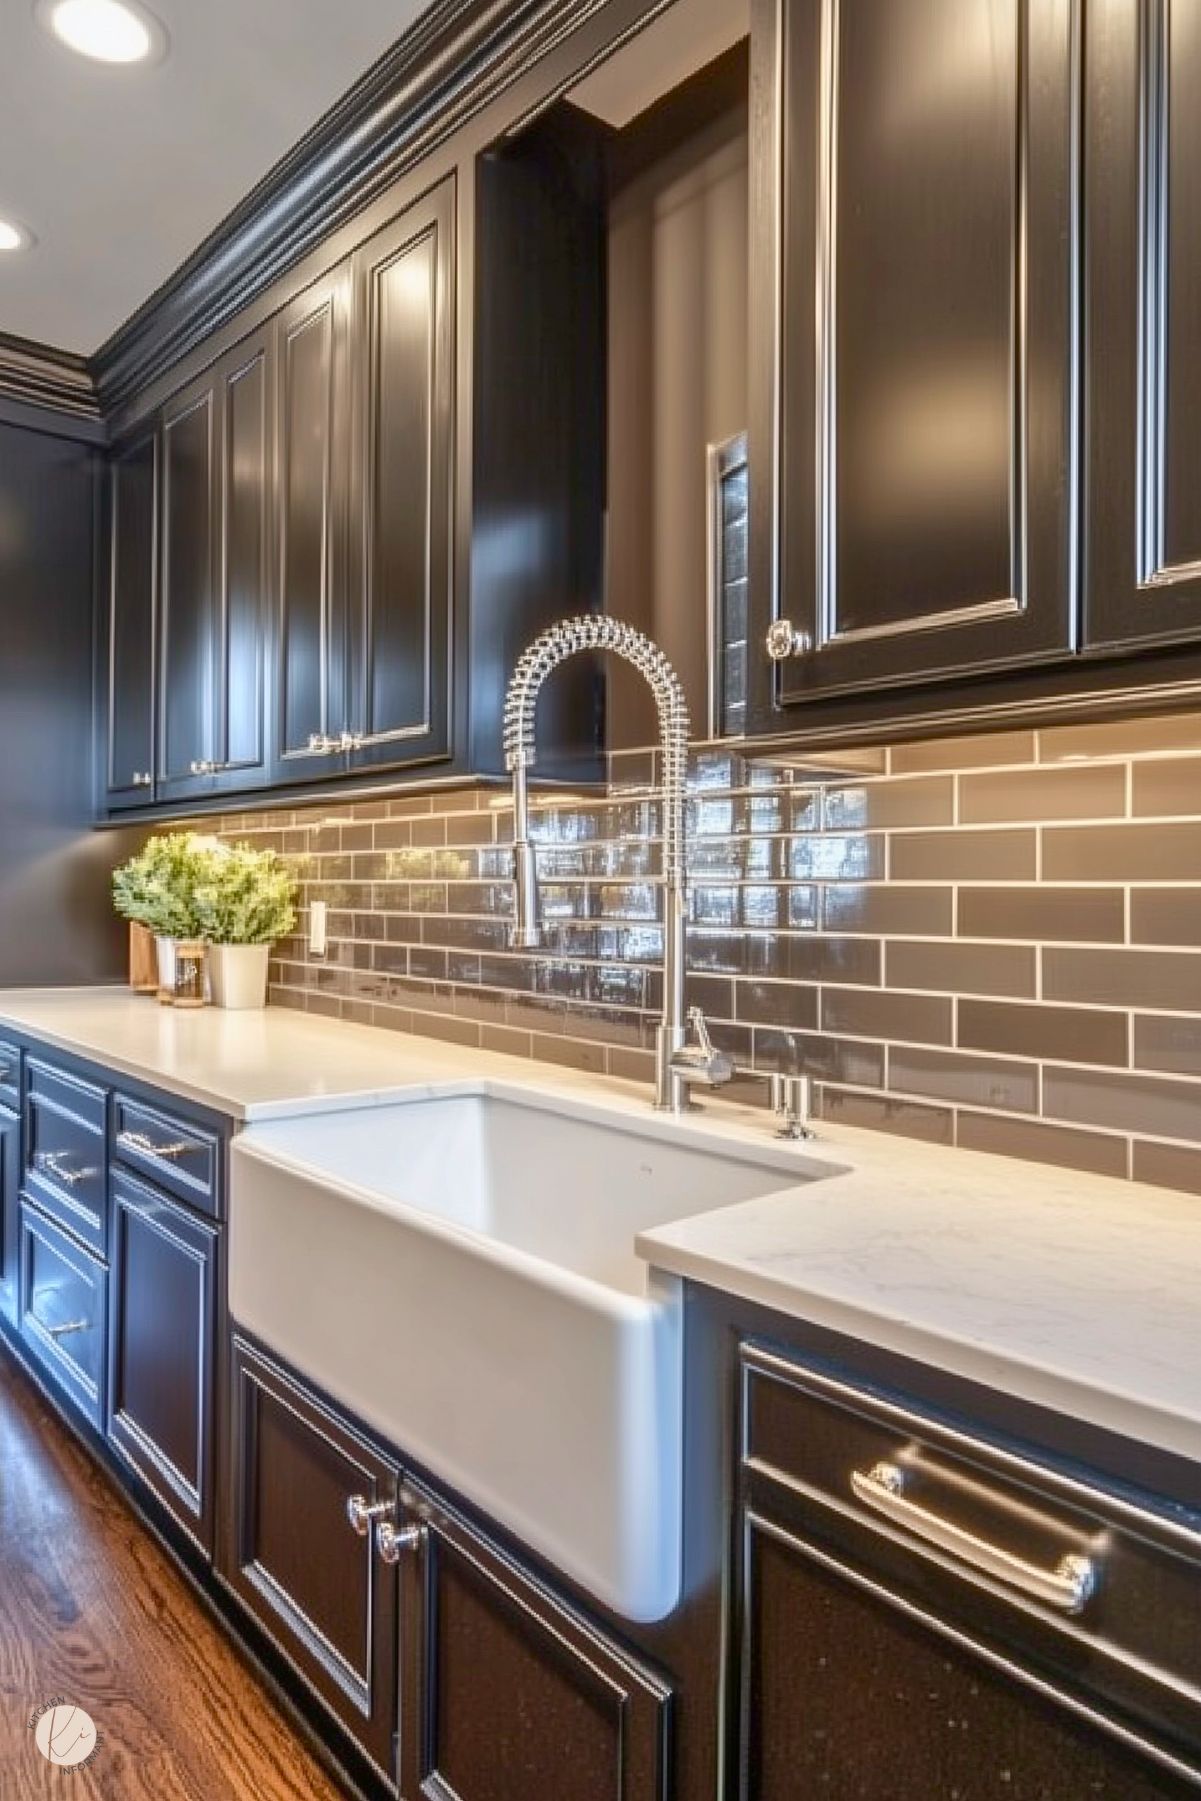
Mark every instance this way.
x=108 y=31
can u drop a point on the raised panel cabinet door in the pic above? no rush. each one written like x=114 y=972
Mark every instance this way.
x=506 y=1690
x=313 y=458
x=847 y=1691
x=1142 y=367
x=402 y=490
x=189 y=516
x=132 y=624
x=911 y=450
x=162 y=1321
x=243 y=626
x=10 y=1181
x=312 y=1578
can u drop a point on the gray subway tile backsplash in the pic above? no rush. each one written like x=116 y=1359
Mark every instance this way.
x=993 y=941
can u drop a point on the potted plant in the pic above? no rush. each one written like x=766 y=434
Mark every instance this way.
x=245 y=900
x=157 y=889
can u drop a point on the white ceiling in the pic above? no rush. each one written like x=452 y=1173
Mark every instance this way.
x=122 y=172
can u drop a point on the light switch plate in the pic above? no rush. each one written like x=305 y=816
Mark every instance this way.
x=317 y=929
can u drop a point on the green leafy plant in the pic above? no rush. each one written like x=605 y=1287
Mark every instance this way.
x=245 y=896
x=157 y=888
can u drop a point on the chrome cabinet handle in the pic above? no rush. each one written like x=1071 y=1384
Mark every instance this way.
x=138 y=1141
x=142 y=778
x=52 y=1164
x=360 y=1512
x=784 y=640
x=1066 y=1587
x=392 y=1540
x=75 y=1325
x=323 y=745
x=8 y=1072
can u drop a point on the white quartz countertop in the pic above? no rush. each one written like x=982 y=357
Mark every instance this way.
x=1073 y=1291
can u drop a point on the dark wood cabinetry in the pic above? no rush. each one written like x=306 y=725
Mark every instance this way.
x=506 y=1691
x=161 y=1349
x=923 y=1612
x=911 y=444
x=131 y=624
x=295 y=1558
x=1142 y=339
x=401 y=539
x=189 y=516
x=313 y=471
x=10 y=1183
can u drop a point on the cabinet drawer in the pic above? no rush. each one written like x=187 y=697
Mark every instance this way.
x=1086 y=1588
x=182 y=1158
x=10 y=1074
x=65 y=1151
x=63 y=1295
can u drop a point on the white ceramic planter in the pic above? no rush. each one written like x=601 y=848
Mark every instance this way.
x=239 y=975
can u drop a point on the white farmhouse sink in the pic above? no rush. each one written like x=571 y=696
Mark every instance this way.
x=460 y=1272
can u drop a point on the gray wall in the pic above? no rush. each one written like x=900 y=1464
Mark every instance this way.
x=56 y=921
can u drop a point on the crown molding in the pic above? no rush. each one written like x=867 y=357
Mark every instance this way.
x=451 y=64
x=55 y=381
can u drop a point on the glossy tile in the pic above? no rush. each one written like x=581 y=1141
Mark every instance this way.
x=1008 y=969
x=887 y=911
x=980 y=751
x=1165 y=916
x=1123 y=978
x=967 y=856
x=1148 y=1106
x=1087 y=791
x=878 y=1113
x=1168 y=1165
x=1072 y=915
x=1170 y=1042
x=1102 y=1153
x=959 y=1077
x=1123 y=853
x=1067 y=1034
x=904 y=1018
x=913 y=801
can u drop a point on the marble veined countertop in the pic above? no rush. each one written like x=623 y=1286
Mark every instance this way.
x=1078 y=1292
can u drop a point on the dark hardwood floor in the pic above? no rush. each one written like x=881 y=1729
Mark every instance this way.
x=92 y=1610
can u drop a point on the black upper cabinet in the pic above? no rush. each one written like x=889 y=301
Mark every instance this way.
x=189 y=515
x=215 y=577
x=912 y=415
x=1142 y=556
x=241 y=661
x=132 y=615
x=312 y=356
x=402 y=515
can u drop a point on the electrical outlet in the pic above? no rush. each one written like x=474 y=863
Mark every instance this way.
x=317 y=929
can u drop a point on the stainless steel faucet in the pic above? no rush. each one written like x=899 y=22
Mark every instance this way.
x=678 y=1063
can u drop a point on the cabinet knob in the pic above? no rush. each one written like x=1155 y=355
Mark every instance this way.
x=142 y=778
x=784 y=641
x=391 y=1540
x=360 y=1512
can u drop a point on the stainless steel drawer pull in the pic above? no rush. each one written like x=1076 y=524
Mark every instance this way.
x=391 y=1540
x=50 y=1163
x=1067 y=1587
x=75 y=1325
x=138 y=1141
x=360 y=1512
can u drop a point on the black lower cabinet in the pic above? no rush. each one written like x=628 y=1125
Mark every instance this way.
x=10 y=1179
x=924 y=1612
x=507 y=1692
x=163 y=1260
x=63 y=1297
x=307 y=1571
x=848 y=1695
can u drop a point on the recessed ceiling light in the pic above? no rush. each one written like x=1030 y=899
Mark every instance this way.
x=109 y=31
x=14 y=236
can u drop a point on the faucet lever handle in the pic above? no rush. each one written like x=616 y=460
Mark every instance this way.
x=696 y=1019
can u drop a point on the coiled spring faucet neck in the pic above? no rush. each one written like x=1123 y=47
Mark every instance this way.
x=567 y=639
